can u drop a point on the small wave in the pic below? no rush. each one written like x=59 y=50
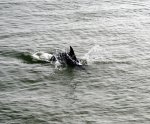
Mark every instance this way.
x=26 y=57
x=112 y=62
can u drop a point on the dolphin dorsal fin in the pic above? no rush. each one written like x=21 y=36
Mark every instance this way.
x=72 y=54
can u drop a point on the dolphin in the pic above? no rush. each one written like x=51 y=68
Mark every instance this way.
x=67 y=58
x=64 y=58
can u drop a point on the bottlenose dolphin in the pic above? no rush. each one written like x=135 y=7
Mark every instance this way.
x=64 y=58
x=67 y=58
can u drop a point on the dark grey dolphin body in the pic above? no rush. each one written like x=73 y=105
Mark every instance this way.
x=67 y=58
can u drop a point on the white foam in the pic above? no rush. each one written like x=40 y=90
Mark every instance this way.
x=42 y=56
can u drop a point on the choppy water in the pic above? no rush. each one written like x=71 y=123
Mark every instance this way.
x=114 y=36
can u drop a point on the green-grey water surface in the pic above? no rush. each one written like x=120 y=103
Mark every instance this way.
x=114 y=89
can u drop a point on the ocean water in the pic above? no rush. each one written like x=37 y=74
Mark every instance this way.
x=114 y=38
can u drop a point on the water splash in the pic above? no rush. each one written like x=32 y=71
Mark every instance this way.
x=98 y=54
x=95 y=54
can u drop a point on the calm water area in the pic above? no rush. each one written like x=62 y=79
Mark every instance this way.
x=112 y=35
